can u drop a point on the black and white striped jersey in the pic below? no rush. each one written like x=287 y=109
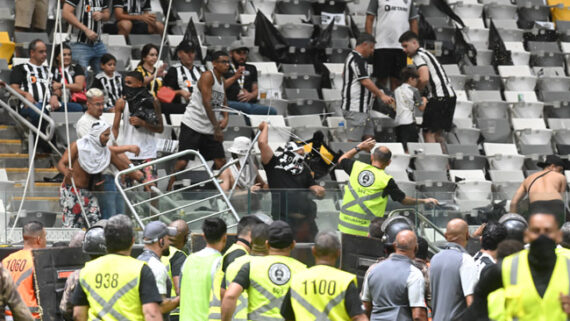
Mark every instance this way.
x=439 y=85
x=84 y=11
x=33 y=79
x=355 y=97
x=111 y=86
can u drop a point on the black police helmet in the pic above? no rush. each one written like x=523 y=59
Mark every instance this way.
x=394 y=225
x=94 y=240
x=515 y=225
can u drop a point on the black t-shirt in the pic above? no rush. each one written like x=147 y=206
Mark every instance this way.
x=246 y=82
x=391 y=189
x=176 y=263
x=148 y=291
x=74 y=70
x=230 y=258
x=296 y=200
x=352 y=303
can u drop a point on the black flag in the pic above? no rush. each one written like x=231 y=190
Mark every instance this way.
x=192 y=35
x=501 y=56
x=354 y=31
x=270 y=41
x=444 y=7
x=463 y=48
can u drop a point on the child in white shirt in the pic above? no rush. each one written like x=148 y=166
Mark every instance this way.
x=407 y=98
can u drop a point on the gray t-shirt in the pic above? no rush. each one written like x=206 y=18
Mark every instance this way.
x=407 y=98
x=453 y=275
x=392 y=20
x=394 y=286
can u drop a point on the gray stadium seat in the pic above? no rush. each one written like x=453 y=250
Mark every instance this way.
x=495 y=130
x=463 y=156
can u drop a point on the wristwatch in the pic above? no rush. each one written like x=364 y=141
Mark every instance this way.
x=357 y=149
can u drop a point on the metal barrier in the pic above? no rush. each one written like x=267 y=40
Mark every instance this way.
x=420 y=228
x=135 y=202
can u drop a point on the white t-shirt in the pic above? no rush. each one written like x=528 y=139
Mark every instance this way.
x=392 y=20
x=407 y=98
x=160 y=274
x=142 y=137
x=468 y=274
x=195 y=116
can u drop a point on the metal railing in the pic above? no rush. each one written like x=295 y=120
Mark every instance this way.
x=420 y=228
x=135 y=202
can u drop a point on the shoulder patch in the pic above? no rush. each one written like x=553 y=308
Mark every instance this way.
x=279 y=273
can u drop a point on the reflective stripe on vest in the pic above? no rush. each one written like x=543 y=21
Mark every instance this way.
x=108 y=305
x=240 y=313
x=319 y=315
x=215 y=312
x=522 y=301
x=20 y=265
x=363 y=198
x=274 y=302
x=166 y=261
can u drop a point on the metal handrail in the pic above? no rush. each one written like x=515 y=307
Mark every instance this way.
x=423 y=219
x=212 y=178
x=50 y=129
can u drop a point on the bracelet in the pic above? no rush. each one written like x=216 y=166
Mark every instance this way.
x=357 y=149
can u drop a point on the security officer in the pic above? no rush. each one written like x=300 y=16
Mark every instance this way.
x=266 y=279
x=527 y=278
x=93 y=244
x=20 y=264
x=367 y=191
x=175 y=260
x=117 y=286
x=240 y=248
x=259 y=247
x=323 y=292
x=198 y=272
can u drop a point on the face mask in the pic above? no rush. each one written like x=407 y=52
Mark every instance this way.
x=542 y=251
x=132 y=92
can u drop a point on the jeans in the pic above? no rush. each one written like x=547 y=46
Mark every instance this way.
x=252 y=109
x=110 y=201
x=87 y=55
x=34 y=117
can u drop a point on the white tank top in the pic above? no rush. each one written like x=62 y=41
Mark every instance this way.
x=195 y=116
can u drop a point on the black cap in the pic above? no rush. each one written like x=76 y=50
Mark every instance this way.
x=365 y=37
x=552 y=160
x=280 y=235
x=185 y=45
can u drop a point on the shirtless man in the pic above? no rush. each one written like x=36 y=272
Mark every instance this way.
x=545 y=188
x=90 y=155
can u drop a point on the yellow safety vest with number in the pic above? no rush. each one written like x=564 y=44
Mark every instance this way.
x=215 y=298
x=318 y=293
x=522 y=301
x=111 y=283
x=269 y=278
x=166 y=261
x=363 y=198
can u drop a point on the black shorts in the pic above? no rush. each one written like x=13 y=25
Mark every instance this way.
x=388 y=63
x=139 y=28
x=205 y=144
x=407 y=134
x=439 y=114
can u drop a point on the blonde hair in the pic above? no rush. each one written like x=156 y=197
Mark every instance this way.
x=94 y=92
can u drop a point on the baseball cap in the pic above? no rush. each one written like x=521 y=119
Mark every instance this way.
x=552 y=160
x=185 y=45
x=365 y=37
x=280 y=235
x=156 y=230
x=239 y=45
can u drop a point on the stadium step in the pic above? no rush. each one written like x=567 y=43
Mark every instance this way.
x=20 y=173
x=8 y=132
x=21 y=160
x=11 y=146
x=38 y=203
x=41 y=188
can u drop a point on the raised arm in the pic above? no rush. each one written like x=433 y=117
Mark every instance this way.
x=263 y=143
x=519 y=194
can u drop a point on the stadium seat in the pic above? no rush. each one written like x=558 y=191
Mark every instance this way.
x=557 y=82
x=292 y=25
x=223 y=6
x=305 y=126
x=471 y=184
x=495 y=130
x=484 y=95
x=500 y=12
x=531 y=11
x=519 y=55
x=221 y=18
x=236 y=127
x=531 y=131
x=223 y=29
x=491 y=109
x=298 y=107
x=279 y=132
x=561 y=130
x=428 y=156
x=296 y=93
x=434 y=184
x=481 y=78
x=294 y=7
x=302 y=81
x=545 y=54
x=465 y=156
x=463 y=109
x=268 y=77
x=267 y=7
x=337 y=55
x=503 y=156
x=526 y=109
x=463 y=135
x=468 y=9
x=455 y=76
x=400 y=160
x=517 y=78
x=519 y=95
x=511 y=35
x=506 y=182
x=335 y=70
x=337 y=128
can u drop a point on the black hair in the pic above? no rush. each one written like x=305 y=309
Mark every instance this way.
x=32 y=229
x=217 y=54
x=119 y=233
x=33 y=45
x=382 y=156
x=146 y=50
x=106 y=58
x=246 y=224
x=375 y=228
x=326 y=244
x=57 y=51
x=508 y=247
x=135 y=74
x=214 y=229
x=422 y=252
x=493 y=234
x=407 y=36
x=259 y=234
x=409 y=72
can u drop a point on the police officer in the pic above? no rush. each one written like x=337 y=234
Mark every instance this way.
x=93 y=244
x=175 y=260
x=117 y=286
x=367 y=191
x=20 y=264
x=259 y=247
x=240 y=248
x=266 y=279
x=198 y=272
x=536 y=281
x=323 y=292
